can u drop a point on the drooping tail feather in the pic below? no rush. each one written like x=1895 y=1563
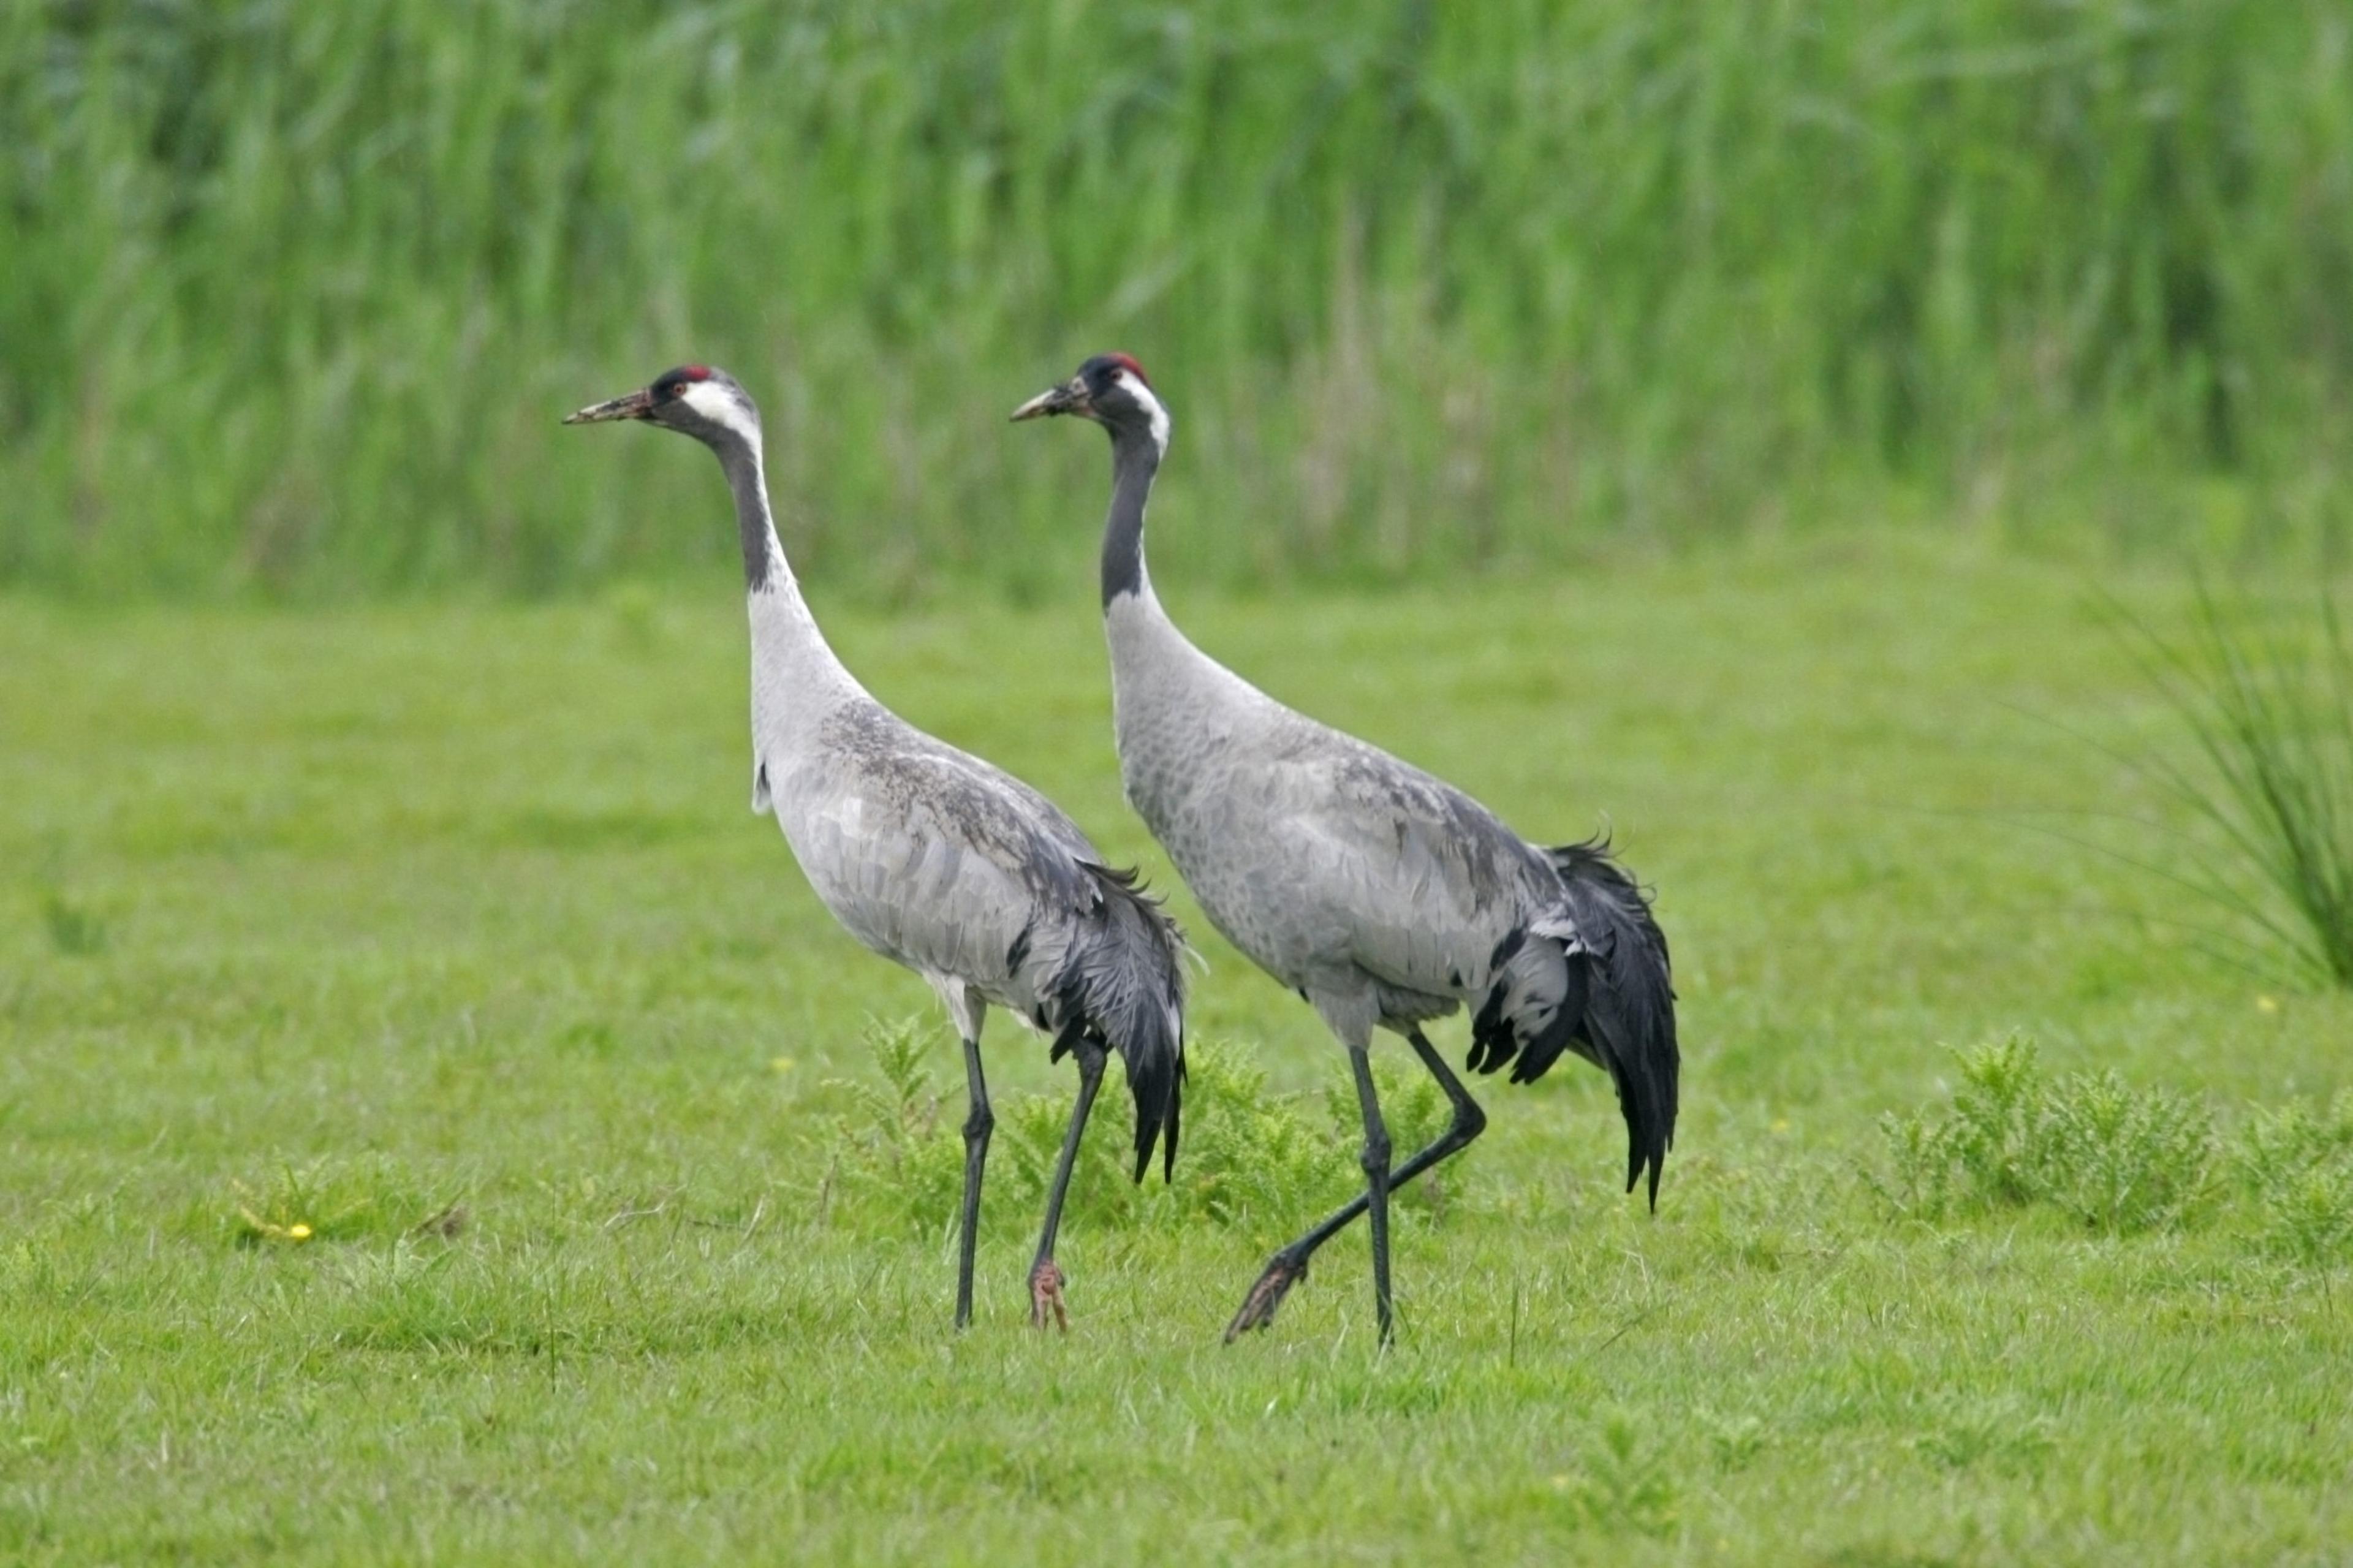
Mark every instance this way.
x=1592 y=974
x=1123 y=987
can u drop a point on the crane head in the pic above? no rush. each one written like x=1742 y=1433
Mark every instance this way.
x=1113 y=390
x=695 y=399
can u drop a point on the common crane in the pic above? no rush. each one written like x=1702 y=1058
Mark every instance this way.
x=935 y=859
x=1383 y=896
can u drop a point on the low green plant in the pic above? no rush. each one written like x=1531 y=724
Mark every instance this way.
x=1984 y=1152
x=1249 y=1155
x=1735 y=1440
x=2120 y=1160
x=1967 y=1431
x=1252 y=1156
x=2297 y=1166
x=75 y=929
x=2276 y=1144
x=891 y=1150
x=332 y=1199
x=2309 y=1218
x=1623 y=1481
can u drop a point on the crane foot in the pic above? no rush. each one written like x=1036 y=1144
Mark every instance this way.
x=1283 y=1270
x=1046 y=1296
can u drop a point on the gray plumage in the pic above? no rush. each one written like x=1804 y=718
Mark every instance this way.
x=929 y=856
x=943 y=863
x=1387 y=897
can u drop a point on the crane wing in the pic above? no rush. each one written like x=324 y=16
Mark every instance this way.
x=928 y=854
x=1418 y=881
x=956 y=869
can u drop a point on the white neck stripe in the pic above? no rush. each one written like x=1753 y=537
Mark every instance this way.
x=1152 y=409
x=722 y=407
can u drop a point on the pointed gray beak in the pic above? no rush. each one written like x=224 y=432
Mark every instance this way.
x=629 y=405
x=1070 y=397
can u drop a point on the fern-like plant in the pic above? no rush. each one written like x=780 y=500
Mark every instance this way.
x=2121 y=1160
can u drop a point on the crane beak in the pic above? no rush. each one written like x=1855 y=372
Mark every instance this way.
x=1070 y=397
x=636 y=404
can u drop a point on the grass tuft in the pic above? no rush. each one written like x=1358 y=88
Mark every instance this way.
x=75 y=929
x=2272 y=715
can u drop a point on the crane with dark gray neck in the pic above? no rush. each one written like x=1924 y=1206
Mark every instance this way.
x=936 y=859
x=1384 y=897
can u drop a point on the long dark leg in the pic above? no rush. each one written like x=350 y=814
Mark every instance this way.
x=1376 y=1161
x=1045 y=1275
x=977 y=1125
x=1289 y=1266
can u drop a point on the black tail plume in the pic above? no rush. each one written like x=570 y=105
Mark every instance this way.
x=1124 y=986
x=1630 y=1000
x=1590 y=974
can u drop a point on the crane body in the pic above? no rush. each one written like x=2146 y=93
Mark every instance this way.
x=937 y=860
x=1384 y=897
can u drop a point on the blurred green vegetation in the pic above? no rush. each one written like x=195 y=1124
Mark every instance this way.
x=294 y=292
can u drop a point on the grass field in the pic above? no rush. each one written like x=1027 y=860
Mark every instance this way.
x=443 y=932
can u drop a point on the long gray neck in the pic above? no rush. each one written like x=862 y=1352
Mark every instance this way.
x=1169 y=700
x=764 y=555
x=1161 y=684
x=1134 y=459
x=796 y=679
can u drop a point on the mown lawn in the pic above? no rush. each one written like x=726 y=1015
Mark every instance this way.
x=445 y=933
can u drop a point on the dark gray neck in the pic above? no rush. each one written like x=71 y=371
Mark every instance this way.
x=1133 y=461
x=740 y=460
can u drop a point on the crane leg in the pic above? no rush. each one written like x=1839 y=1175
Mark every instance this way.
x=1045 y=1275
x=979 y=1122
x=1289 y=1266
x=1375 y=1161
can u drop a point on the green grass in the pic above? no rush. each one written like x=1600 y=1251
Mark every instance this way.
x=296 y=291
x=358 y=921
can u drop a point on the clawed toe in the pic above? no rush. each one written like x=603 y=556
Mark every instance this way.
x=1282 y=1271
x=1046 y=1297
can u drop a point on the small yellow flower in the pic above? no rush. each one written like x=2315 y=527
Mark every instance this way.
x=1781 y=1124
x=268 y=1231
x=780 y=1064
x=2266 y=1004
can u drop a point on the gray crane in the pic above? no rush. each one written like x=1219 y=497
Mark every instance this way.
x=1384 y=897
x=936 y=859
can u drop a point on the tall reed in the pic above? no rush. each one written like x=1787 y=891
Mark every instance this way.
x=294 y=292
